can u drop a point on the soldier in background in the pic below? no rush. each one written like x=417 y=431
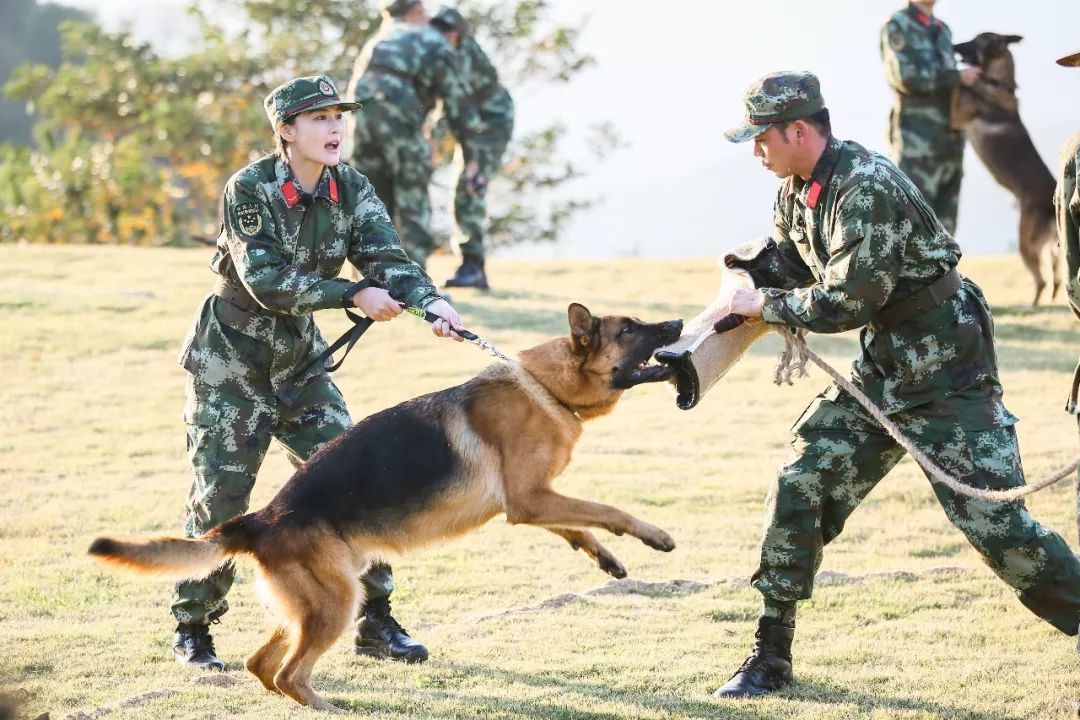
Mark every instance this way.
x=402 y=72
x=1067 y=201
x=920 y=66
x=856 y=246
x=496 y=109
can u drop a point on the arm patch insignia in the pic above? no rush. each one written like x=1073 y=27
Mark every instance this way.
x=897 y=41
x=249 y=218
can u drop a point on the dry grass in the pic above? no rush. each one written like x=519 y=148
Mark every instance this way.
x=907 y=624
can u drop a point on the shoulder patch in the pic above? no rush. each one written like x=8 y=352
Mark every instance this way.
x=897 y=41
x=249 y=217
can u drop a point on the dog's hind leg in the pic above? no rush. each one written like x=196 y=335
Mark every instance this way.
x=265 y=661
x=1055 y=267
x=321 y=608
x=587 y=542
x=1031 y=254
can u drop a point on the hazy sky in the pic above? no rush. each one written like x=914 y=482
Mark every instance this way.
x=671 y=81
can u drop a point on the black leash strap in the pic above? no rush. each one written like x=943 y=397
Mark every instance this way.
x=347 y=340
x=432 y=317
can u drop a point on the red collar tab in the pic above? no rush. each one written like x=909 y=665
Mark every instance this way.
x=814 y=195
x=922 y=17
x=331 y=188
x=288 y=189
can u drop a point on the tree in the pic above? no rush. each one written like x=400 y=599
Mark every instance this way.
x=136 y=147
x=28 y=34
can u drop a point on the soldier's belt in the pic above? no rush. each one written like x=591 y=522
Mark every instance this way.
x=238 y=296
x=934 y=100
x=926 y=299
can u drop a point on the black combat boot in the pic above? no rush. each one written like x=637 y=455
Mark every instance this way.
x=195 y=648
x=379 y=635
x=769 y=666
x=470 y=274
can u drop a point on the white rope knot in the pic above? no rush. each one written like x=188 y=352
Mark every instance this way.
x=793 y=360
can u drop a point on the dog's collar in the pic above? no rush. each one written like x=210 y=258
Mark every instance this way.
x=541 y=394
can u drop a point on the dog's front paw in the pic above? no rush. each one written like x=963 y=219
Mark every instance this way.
x=611 y=565
x=657 y=539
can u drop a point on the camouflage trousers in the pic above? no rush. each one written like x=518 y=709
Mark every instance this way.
x=840 y=454
x=397 y=160
x=227 y=440
x=931 y=153
x=938 y=178
x=470 y=208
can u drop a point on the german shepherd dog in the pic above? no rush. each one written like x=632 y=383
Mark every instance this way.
x=988 y=112
x=430 y=468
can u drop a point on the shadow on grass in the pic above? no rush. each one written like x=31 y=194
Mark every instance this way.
x=566 y=698
x=870 y=704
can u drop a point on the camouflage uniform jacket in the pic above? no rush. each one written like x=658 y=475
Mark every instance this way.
x=491 y=98
x=410 y=68
x=1067 y=200
x=920 y=66
x=286 y=251
x=869 y=240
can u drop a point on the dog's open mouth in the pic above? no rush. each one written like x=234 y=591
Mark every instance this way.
x=643 y=372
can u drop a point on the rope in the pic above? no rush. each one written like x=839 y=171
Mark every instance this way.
x=793 y=360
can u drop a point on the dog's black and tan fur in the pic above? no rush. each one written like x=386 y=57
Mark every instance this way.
x=428 y=469
x=988 y=112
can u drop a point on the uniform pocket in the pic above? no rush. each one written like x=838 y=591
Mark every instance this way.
x=202 y=420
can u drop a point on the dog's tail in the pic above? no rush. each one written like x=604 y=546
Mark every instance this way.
x=179 y=558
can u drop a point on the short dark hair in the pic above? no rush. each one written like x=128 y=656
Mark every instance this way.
x=819 y=121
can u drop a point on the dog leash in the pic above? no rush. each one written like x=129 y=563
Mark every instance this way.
x=796 y=347
x=360 y=326
x=469 y=336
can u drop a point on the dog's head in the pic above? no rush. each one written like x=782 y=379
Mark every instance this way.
x=984 y=48
x=617 y=349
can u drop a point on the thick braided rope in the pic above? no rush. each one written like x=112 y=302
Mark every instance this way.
x=794 y=358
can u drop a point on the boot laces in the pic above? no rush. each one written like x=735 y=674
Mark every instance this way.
x=381 y=609
x=202 y=639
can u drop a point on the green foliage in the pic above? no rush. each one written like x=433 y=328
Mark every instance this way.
x=134 y=147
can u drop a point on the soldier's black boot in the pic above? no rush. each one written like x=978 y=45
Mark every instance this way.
x=379 y=635
x=195 y=647
x=470 y=274
x=769 y=666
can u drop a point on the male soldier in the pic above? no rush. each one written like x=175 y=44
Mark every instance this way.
x=401 y=73
x=857 y=246
x=1067 y=200
x=496 y=110
x=920 y=66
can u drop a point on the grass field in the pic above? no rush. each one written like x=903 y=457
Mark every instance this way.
x=905 y=621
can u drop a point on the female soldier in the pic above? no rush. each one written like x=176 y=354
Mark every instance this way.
x=291 y=219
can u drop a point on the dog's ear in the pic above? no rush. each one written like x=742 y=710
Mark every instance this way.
x=582 y=325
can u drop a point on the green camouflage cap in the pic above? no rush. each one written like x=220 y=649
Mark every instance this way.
x=776 y=98
x=301 y=95
x=1070 y=60
x=397 y=8
x=449 y=18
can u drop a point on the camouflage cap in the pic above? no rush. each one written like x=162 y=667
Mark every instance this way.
x=301 y=95
x=450 y=19
x=1070 y=60
x=397 y=8
x=779 y=97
